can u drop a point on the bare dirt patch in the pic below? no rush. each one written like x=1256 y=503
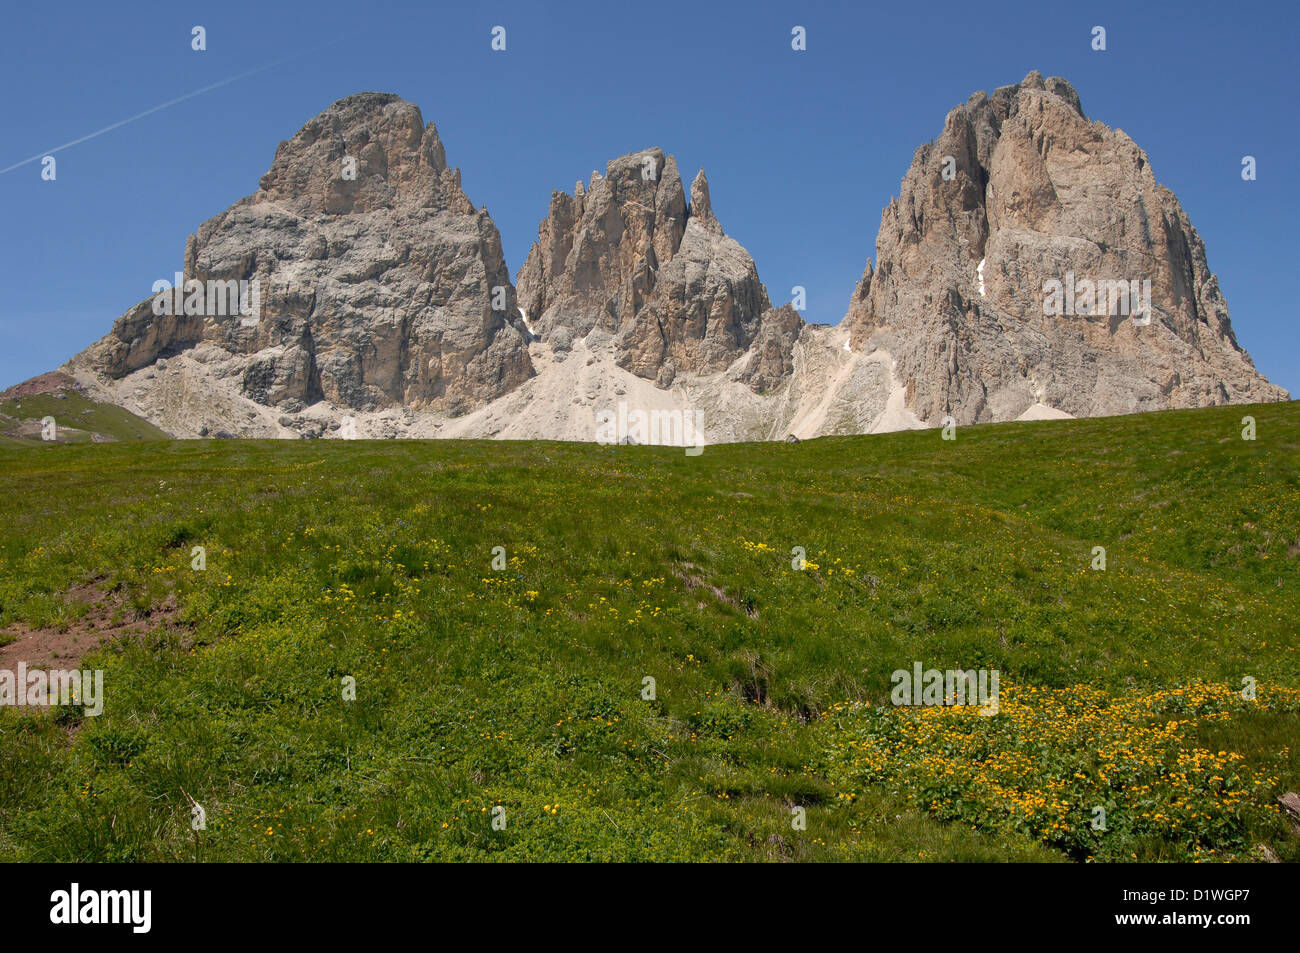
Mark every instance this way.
x=47 y=383
x=109 y=619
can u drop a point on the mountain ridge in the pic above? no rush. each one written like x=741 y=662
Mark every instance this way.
x=385 y=306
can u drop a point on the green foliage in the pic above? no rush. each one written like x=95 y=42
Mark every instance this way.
x=522 y=688
x=77 y=418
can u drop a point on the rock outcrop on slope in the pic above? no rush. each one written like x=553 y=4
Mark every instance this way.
x=1019 y=193
x=379 y=283
x=629 y=257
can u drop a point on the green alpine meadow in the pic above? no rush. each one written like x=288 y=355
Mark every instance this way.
x=381 y=650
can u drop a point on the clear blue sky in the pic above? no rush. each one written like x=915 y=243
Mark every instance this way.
x=803 y=150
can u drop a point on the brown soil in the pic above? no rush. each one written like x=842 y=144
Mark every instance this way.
x=47 y=383
x=109 y=619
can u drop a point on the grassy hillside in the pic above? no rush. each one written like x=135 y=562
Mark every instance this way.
x=78 y=419
x=523 y=687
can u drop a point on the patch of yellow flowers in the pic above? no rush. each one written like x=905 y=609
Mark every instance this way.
x=1078 y=767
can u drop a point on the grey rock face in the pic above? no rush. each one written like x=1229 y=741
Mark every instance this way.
x=596 y=255
x=771 y=359
x=376 y=276
x=1020 y=191
x=628 y=256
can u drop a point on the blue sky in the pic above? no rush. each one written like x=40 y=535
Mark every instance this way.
x=802 y=150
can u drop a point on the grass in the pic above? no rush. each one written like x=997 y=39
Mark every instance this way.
x=770 y=734
x=77 y=419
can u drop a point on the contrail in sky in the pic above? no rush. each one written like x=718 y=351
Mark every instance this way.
x=171 y=102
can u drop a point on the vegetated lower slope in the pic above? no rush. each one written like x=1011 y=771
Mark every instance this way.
x=26 y=407
x=522 y=688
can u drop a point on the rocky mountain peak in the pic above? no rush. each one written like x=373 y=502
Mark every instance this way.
x=374 y=283
x=597 y=251
x=631 y=259
x=1021 y=194
x=366 y=151
x=701 y=209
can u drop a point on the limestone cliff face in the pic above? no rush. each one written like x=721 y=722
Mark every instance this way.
x=376 y=278
x=1020 y=192
x=598 y=251
x=629 y=257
